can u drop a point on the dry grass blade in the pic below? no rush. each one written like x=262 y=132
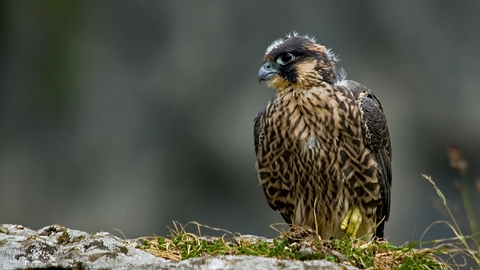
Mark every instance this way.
x=452 y=243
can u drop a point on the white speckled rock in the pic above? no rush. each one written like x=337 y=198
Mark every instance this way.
x=57 y=246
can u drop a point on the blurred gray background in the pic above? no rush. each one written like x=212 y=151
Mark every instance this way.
x=131 y=114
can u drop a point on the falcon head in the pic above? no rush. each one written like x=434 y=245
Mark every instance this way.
x=297 y=62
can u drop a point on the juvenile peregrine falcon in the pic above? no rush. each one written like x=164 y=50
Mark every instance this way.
x=322 y=143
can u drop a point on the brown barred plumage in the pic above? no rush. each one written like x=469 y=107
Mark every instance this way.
x=322 y=143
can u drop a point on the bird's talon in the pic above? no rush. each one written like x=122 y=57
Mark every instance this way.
x=351 y=223
x=345 y=220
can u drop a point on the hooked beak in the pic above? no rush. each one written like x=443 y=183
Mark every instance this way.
x=266 y=72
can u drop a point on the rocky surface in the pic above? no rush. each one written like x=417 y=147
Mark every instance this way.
x=58 y=247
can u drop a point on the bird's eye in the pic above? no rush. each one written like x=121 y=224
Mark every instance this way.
x=285 y=58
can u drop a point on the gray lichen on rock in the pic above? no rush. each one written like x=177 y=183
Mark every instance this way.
x=57 y=246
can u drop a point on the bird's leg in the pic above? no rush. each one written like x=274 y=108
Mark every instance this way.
x=351 y=222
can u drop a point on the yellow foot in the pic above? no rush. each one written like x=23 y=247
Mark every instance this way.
x=351 y=222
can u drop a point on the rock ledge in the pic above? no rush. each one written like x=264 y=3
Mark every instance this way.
x=60 y=247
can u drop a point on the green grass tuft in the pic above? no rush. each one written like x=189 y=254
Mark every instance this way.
x=184 y=245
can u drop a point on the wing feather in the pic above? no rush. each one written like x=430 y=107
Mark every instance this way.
x=377 y=139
